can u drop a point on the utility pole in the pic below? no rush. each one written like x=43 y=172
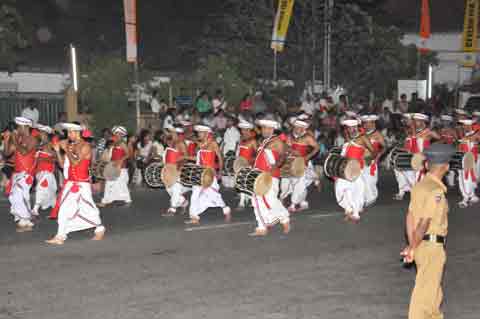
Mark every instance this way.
x=314 y=45
x=327 y=43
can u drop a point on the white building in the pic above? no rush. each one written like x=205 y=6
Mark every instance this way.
x=29 y=82
x=450 y=69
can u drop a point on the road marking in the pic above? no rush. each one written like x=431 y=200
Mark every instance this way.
x=218 y=226
x=325 y=215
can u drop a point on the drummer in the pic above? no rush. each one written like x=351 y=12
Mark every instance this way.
x=460 y=115
x=299 y=144
x=204 y=198
x=467 y=179
x=188 y=139
x=448 y=135
x=268 y=208
x=175 y=154
x=231 y=139
x=117 y=190
x=422 y=139
x=46 y=188
x=246 y=150
x=370 y=172
x=351 y=194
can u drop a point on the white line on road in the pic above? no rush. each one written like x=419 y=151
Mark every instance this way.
x=217 y=226
x=325 y=215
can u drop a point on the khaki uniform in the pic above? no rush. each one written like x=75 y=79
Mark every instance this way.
x=429 y=201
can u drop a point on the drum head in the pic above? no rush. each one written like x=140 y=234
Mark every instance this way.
x=263 y=183
x=169 y=175
x=353 y=170
x=208 y=175
x=469 y=161
x=111 y=172
x=298 y=167
x=417 y=161
x=239 y=163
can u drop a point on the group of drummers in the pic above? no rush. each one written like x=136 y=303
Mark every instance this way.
x=270 y=169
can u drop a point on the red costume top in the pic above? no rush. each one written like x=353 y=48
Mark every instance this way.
x=206 y=158
x=355 y=151
x=46 y=162
x=79 y=172
x=415 y=144
x=245 y=151
x=171 y=156
x=118 y=153
x=447 y=137
x=25 y=162
x=262 y=163
x=191 y=148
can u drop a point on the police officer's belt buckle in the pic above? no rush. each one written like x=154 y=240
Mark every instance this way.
x=435 y=239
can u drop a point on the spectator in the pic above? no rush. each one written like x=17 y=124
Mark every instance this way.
x=169 y=119
x=388 y=104
x=218 y=102
x=203 y=105
x=402 y=106
x=246 y=105
x=220 y=121
x=31 y=111
x=102 y=142
x=259 y=105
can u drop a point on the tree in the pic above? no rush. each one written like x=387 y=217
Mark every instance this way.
x=104 y=91
x=366 y=57
x=13 y=34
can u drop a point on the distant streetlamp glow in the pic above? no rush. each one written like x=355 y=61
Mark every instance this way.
x=430 y=79
x=73 y=55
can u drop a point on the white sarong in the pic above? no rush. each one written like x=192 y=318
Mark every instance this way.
x=77 y=210
x=20 y=197
x=371 y=190
x=117 y=190
x=351 y=195
x=268 y=209
x=467 y=182
x=406 y=180
x=45 y=191
x=204 y=198
x=176 y=192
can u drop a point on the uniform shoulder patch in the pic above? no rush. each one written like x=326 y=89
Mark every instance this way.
x=438 y=198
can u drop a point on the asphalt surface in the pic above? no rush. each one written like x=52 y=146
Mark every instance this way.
x=150 y=266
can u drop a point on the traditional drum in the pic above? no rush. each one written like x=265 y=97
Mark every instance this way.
x=293 y=167
x=195 y=175
x=239 y=163
x=400 y=159
x=228 y=168
x=456 y=163
x=152 y=175
x=253 y=182
x=103 y=170
x=341 y=167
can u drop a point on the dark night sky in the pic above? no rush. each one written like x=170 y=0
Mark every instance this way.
x=164 y=25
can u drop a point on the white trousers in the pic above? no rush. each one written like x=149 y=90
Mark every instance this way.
x=296 y=187
x=176 y=192
x=467 y=185
x=406 y=180
x=117 y=190
x=20 y=198
x=268 y=209
x=45 y=191
x=351 y=195
x=371 y=190
x=204 y=198
x=244 y=200
x=77 y=210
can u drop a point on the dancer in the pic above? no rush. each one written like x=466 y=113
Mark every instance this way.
x=117 y=190
x=300 y=144
x=268 y=209
x=246 y=150
x=77 y=209
x=467 y=179
x=448 y=135
x=204 y=198
x=46 y=188
x=22 y=145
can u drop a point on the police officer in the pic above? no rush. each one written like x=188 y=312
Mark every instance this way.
x=427 y=225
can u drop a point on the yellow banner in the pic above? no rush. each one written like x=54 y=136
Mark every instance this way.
x=470 y=26
x=282 y=21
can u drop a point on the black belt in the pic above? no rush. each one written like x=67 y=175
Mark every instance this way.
x=435 y=239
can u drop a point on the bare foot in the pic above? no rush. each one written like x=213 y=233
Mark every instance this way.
x=286 y=228
x=258 y=233
x=23 y=229
x=55 y=241
x=193 y=221
x=228 y=218
x=99 y=235
x=101 y=205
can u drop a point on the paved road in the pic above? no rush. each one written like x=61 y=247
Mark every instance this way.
x=153 y=267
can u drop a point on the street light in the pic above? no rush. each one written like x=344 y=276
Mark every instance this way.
x=430 y=79
x=73 y=55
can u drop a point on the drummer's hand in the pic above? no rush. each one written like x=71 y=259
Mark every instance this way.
x=407 y=254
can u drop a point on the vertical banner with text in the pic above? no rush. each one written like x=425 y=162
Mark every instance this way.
x=282 y=21
x=425 y=30
x=130 y=7
x=470 y=26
